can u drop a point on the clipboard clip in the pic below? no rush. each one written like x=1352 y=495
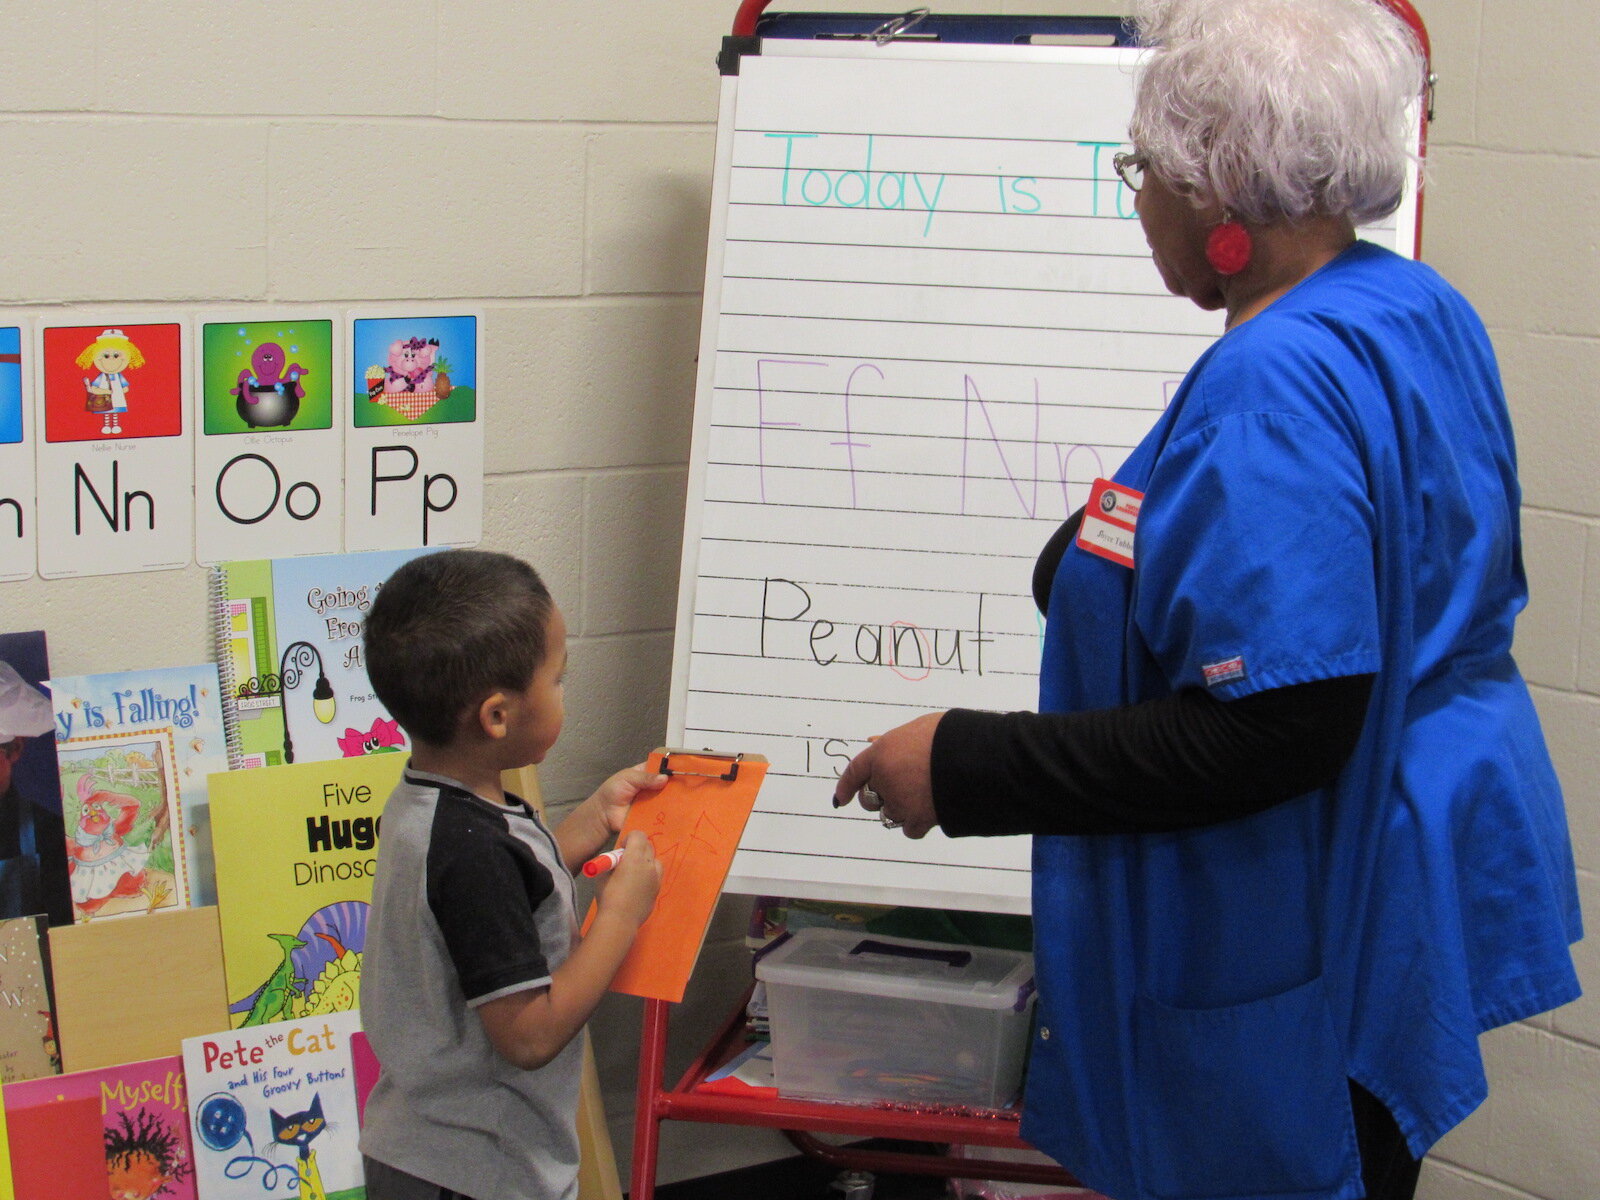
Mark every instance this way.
x=899 y=26
x=728 y=776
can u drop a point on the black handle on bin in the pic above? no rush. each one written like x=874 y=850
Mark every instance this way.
x=951 y=958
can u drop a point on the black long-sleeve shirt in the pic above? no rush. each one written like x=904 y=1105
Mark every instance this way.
x=1185 y=760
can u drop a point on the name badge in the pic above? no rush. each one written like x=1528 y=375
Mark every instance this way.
x=1109 y=520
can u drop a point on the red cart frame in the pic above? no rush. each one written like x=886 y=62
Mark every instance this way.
x=800 y=1120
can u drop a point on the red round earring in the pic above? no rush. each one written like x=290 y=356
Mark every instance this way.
x=1228 y=247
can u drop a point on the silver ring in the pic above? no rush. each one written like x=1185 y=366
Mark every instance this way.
x=870 y=800
x=888 y=821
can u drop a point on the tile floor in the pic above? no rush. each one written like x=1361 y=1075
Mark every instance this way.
x=801 y=1178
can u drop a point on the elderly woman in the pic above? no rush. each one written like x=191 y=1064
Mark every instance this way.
x=1297 y=838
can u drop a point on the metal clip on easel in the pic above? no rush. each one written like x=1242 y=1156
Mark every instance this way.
x=899 y=26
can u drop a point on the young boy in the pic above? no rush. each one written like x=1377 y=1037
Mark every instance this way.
x=476 y=982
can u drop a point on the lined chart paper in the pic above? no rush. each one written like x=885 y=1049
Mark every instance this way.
x=931 y=322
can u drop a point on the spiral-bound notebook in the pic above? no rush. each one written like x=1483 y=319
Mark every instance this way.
x=290 y=659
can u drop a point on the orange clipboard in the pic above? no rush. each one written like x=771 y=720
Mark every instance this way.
x=694 y=823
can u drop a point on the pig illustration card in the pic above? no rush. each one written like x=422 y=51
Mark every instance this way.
x=269 y=416
x=414 y=442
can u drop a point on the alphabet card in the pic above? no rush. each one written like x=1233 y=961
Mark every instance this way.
x=269 y=435
x=414 y=446
x=18 y=538
x=295 y=849
x=116 y=465
x=274 y=1111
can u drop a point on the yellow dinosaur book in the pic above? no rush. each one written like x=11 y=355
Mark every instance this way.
x=295 y=850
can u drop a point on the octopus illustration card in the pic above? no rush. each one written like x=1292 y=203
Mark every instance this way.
x=295 y=848
x=178 y=706
x=269 y=434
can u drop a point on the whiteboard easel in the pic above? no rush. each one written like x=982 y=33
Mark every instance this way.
x=930 y=322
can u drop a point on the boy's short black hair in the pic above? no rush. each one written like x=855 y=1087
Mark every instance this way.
x=447 y=629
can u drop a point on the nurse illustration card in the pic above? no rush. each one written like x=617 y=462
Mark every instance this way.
x=18 y=537
x=269 y=419
x=414 y=445
x=114 y=462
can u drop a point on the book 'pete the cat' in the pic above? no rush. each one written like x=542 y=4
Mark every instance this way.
x=273 y=1109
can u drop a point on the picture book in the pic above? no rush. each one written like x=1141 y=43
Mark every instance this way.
x=289 y=654
x=178 y=706
x=28 y=1046
x=119 y=801
x=8 y=1189
x=138 y=1145
x=274 y=1111
x=296 y=846
x=33 y=858
x=56 y=1149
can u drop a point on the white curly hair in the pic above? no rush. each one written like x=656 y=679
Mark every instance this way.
x=1279 y=109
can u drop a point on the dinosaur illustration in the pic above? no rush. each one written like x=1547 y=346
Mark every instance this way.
x=273 y=1002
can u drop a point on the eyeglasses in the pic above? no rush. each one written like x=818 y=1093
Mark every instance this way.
x=1130 y=168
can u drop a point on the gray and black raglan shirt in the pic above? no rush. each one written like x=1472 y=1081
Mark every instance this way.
x=471 y=901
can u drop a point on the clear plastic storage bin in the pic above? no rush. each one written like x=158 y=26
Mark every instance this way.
x=859 y=1018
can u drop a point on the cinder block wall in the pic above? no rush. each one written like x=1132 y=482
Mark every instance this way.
x=550 y=160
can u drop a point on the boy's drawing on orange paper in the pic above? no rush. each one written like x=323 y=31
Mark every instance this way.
x=694 y=823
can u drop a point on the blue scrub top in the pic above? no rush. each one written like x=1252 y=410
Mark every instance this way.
x=1332 y=491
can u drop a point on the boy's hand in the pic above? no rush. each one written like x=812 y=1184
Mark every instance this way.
x=622 y=789
x=629 y=889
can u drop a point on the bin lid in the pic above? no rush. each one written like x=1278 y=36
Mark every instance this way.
x=842 y=960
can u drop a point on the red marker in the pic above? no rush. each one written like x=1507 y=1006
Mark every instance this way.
x=601 y=863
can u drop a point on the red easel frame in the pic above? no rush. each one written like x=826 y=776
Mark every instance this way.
x=655 y=1104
